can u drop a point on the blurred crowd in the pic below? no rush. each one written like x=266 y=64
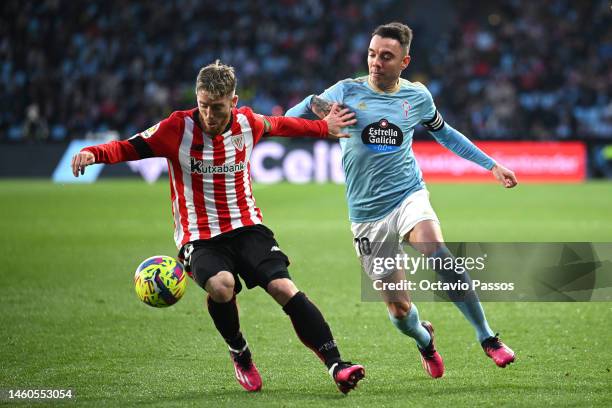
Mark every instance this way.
x=527 y=69
x=507 y=69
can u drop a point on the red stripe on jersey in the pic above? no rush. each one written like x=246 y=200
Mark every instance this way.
x=245 y=216
x=197 y=184
x=257 y=210
x=223 y=213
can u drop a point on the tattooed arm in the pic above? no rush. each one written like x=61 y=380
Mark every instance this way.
x=320 y=107
x=317 y=107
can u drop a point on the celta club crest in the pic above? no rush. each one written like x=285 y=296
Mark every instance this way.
x=238 y=142
x=406 y=107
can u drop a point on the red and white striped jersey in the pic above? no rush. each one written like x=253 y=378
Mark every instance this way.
x=210 y=177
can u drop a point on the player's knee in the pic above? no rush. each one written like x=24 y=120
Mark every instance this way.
x=221 y=287
x=399 y=310
x=282 y=290
x=430 y=249
x=437 y=250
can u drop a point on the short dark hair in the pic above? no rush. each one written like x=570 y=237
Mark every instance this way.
x=398 y=31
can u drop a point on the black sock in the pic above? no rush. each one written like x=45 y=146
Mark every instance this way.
x=312 y=329
x=225 y=317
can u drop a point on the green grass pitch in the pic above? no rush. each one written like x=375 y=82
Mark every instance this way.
x=70 y=317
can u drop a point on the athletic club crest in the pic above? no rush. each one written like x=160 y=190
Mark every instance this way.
x=238 y=142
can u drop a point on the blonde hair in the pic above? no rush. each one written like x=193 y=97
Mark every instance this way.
x=216 y=79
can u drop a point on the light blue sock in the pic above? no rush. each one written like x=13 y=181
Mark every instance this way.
x=411 y=326
x=474 y=313
x=469 y=304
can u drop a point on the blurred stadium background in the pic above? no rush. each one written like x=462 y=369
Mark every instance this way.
x=504 y=70
x=530 y=81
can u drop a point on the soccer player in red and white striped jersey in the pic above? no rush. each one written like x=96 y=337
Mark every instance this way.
x=218 y=227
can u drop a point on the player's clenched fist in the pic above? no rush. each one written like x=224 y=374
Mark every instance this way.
x=504 y=175
x=80 y=161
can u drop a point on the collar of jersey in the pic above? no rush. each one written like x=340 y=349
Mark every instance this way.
x=374 y=88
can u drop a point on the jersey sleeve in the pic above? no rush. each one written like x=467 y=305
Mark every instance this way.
x=334 y=93
x=463 y=147
x=449 y=137
x=113 y=152
x=159 y=140
x=429 y=112
x=255 y=121
x=294 y=127
x=282 y=126
x=302 y=109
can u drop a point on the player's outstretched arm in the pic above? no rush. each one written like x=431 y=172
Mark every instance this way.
x=311 y=107
x=456 y=142
x=158 y=141
x=331 y=125
x=302 y=110
x=314 y=106
x=81 y=160
x=463 y=147
x=113 y=152
x=504 y=175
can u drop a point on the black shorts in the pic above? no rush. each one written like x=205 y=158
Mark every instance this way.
x=250 y=253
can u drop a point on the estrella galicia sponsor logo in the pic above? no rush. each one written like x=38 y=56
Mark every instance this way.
x=197 y=166
x=382 y=136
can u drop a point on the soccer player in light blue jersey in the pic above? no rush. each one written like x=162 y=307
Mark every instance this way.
x=387 y=198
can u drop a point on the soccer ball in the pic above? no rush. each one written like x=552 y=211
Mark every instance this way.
x=160 y=281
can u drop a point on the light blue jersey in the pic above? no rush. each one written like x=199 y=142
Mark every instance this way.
x=379 y=164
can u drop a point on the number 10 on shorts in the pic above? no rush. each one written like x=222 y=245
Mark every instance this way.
x=363 y=246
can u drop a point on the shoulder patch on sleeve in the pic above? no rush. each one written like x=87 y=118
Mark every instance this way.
x=267 y=124
x=150 y=131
